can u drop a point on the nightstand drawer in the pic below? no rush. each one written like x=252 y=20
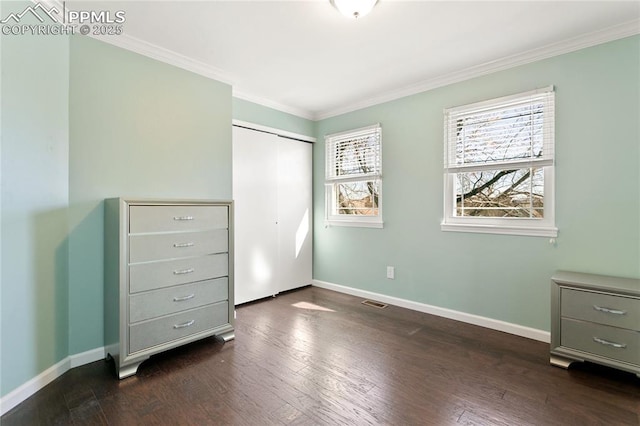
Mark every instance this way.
x=617 y=311
x=602 y=340
x=166 y=329
x=146 y=219
x=148 y=247
x=154 y=275
x=153 y=304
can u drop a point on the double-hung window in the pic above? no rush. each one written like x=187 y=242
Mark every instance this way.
x=499 y=165
x=353 y=177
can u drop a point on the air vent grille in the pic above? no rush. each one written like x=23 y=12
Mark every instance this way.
x=374 y=304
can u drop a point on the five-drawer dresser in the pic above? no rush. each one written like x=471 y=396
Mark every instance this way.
x=168 y=276
x=595 y=318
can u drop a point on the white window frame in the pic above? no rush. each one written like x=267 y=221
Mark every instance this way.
x=544 y=227
x=331 y=182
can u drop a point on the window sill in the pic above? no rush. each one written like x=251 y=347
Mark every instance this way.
x=503 y=230
x=354 y=223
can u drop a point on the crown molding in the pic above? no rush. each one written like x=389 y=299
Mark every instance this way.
x=299 y=112
x=161 y=54
x=167 y=56
x=616 y=32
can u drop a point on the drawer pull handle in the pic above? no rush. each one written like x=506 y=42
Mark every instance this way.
x=183 y=218
x=183 y=271
x=608 y=343
x=181 y=245
x=183 y=298
x=184 y=324
x=609 y=310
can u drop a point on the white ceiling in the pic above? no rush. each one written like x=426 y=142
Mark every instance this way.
x=304 y=57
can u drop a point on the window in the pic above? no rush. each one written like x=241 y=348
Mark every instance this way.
x=354 y=177
x=499 y=164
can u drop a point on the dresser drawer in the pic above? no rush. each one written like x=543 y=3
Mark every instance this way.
x=601 y=340
x=156 y=303
x=148 y=247
x=146 y=219
x=617 y=311
x=155 y=275
x=155 y=332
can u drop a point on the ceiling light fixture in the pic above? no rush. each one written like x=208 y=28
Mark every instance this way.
x=354 y=8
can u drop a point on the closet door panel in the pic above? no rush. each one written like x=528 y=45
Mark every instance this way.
x=294 y=214
x=255 y=181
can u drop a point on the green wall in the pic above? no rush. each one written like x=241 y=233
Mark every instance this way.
x=35 y=197
x=258 y=114
x=138 y=128
x=83 y=120
x=498 y=276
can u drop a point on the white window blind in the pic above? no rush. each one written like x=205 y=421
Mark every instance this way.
x=507 y=133
x=354 y=155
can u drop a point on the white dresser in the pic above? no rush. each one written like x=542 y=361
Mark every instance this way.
x=168 y=276
x=595 y=318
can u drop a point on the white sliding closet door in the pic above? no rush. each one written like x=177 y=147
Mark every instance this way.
x=294 y=214
x=255 y=189
x=272 y=223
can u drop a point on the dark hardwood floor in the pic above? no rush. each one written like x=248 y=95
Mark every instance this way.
x=316 y=357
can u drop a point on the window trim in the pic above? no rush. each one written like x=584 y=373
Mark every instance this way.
x=506 y=226
x=330 y=182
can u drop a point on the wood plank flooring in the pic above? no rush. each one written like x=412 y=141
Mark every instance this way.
x=317 y=357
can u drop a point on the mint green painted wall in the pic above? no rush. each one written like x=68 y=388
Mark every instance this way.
x=139 y=128
x=498 y=276
x=34 y=194
x=259 y=114
x=106 y=122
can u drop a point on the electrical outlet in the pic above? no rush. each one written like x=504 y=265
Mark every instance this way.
x=391 y=272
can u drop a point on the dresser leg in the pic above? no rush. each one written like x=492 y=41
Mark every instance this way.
x=230 y=335
x=562 y=362
x=130 y=369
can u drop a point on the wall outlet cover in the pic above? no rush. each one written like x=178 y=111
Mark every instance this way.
x=391 y=271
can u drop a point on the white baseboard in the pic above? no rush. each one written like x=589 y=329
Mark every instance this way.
x=86 y=357
x=27 y=389
x=507 y=327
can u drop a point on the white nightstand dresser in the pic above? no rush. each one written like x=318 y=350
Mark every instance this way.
x=168 y=276
x=595 y=318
